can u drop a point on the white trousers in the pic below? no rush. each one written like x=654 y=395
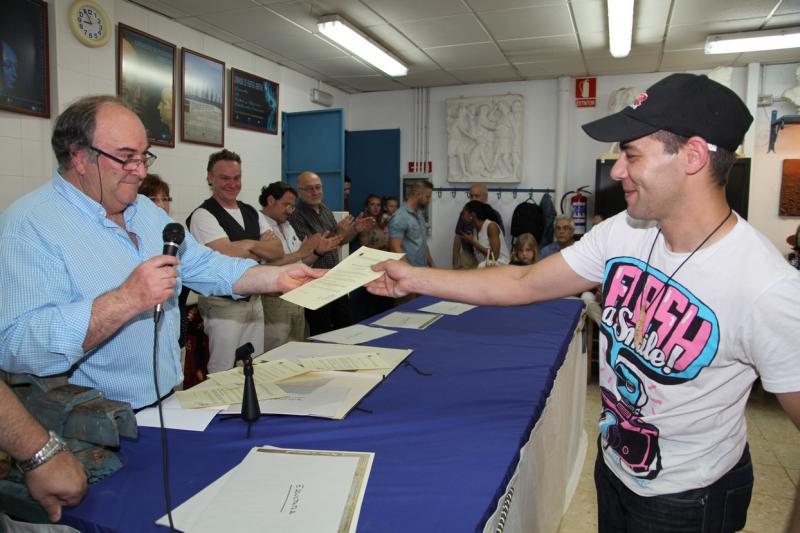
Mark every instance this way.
x=228 y=325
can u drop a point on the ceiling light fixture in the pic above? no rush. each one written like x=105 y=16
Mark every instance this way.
x=753 y=41
x=337 y=29
x=620 y=27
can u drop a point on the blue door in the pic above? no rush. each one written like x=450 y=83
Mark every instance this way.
x=314 y=140
x=373 y=165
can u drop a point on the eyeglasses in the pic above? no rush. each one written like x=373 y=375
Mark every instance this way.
x=161 y=198
x=310 y=188
x=130 y=164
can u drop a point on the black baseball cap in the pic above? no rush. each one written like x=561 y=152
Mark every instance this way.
x=684 y=104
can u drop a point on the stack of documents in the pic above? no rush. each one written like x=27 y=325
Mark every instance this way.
x=285 y=490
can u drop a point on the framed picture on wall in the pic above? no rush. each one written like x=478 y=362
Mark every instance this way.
x=202 y=99
x=24 y=78
x=146 y=81
x=253 y=102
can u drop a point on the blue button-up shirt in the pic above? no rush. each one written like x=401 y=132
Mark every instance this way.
x=58 y=252
x=410 y=226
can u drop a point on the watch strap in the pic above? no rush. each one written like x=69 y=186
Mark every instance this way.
x=51 y=448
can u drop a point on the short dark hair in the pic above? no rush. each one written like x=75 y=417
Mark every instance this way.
x=720 y=161
x=222 y=155
x=419 y=186
x=74 y=129
x=153 y=185
x=276 y=190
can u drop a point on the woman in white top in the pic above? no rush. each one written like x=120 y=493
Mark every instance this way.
x=489 y=235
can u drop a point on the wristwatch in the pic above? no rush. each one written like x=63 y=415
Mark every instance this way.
x=51 y=448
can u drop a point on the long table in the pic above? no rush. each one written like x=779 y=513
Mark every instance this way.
x=455 y=451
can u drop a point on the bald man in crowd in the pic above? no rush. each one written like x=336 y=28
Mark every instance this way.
x=313 y=216
x=463 y=252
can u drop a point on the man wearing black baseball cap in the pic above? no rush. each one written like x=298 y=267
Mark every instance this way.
x=696 y=305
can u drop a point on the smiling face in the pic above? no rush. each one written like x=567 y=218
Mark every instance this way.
x=225 y=178
x=649 y=178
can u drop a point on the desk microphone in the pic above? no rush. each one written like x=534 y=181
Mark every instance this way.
x=173 y=237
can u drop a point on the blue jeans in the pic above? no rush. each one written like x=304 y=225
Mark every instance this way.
x=718 y=508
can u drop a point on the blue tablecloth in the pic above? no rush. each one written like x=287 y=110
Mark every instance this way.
x=445 y=445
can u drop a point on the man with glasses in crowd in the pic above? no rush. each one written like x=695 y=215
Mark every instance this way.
x=82 y=269
x=313 y=216
x=564 y=229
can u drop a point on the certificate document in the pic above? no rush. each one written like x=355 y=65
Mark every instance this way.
x=286 y=490
x=348 y=275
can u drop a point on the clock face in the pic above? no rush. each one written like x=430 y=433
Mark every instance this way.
x=89 y=23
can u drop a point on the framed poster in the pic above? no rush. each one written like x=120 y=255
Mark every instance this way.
x=202 y=99
x=253 y=103
x=146 y=81
x=25 y=76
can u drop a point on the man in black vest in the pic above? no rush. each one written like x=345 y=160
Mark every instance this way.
x=235 y=229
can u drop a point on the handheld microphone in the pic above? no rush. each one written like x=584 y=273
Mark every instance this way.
x=173 y=237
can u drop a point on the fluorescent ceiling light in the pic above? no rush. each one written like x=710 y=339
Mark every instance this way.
x=620 y=27
x=753 y=41
x=337 y=29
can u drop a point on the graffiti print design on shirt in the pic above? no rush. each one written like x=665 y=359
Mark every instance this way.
x=680 y=339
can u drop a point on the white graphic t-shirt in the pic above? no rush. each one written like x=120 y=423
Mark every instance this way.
x=673 y=404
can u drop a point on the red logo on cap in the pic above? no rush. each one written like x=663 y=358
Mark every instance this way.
x=639 y=100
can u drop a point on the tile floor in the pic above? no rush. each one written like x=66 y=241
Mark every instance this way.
x=774 y=448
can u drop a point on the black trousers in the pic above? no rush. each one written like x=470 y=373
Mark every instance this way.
x=332 y=316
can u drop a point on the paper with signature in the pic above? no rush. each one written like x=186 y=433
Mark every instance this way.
x=350 y=274
x=274 y=489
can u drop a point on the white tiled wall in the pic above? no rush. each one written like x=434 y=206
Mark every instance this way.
x=77 y=70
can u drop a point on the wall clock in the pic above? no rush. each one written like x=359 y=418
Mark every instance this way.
x=90 y=23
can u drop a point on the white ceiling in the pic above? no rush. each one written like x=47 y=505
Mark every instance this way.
x=455 y=42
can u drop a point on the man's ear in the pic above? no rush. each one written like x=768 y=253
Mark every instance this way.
x=696 y=153
x=79 y=158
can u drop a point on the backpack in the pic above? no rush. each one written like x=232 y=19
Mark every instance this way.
x=528 y=217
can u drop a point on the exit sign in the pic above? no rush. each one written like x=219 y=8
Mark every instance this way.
x=420 y=166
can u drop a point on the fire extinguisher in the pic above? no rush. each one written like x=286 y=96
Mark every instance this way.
x=577 y=209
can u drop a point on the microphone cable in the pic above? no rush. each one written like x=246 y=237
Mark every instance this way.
x=164 y=451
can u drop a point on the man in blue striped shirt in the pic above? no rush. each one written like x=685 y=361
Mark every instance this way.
x=81 y=264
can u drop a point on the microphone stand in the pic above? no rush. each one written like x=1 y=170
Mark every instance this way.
x=250 y=408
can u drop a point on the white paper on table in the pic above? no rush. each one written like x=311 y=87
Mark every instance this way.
x=400 y=319
x=273 y=489
x=358 y=383
x=362 y=361
x=447 y=308
x=348 y=275
x=318 y=396
x=211 y=395
x=265 y=372
x=355 y=334
x=177 y=418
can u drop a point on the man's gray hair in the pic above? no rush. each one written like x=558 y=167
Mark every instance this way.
x=567 y=218
x=74 y=129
